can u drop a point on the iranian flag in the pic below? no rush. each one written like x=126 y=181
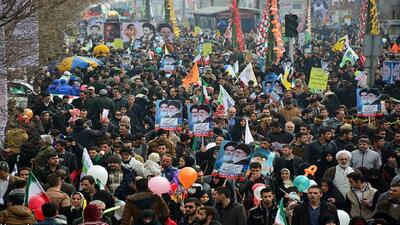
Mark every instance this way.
x=86 y=162
x=280 y=215
x=35 y=196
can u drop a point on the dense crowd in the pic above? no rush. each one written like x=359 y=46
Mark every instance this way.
x=357 y=157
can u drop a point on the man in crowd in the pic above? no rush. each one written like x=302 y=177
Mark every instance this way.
x=265 y=212
x=362 y=198
x=312 y=211
x=231 y=213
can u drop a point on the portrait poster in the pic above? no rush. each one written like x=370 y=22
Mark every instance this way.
x=166 y=32
x=368 y=101
x=112 y=30
x=266 y=159
x=130 y=31
x=168 y=114
x=95 y=29
x=232 y=160
x=391 y=71
x=200 y=120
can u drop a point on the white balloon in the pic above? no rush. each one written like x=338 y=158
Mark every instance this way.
x=98 y=173
x=344 y=218
x=257 y=192
x=312 y=182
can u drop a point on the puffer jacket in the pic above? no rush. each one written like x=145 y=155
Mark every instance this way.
x=138 y=202
x=17 y=215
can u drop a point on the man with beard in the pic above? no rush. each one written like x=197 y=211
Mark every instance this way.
x=241 y=154
x=231 y=212
x=207 y=216
x=338 y=174
x=192 y=206
x=265 y=212
x=310 y=212
x=229 y=151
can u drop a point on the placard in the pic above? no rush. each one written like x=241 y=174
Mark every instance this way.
x=318 y=79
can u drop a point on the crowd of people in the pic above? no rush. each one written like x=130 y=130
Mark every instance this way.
x=357 y=158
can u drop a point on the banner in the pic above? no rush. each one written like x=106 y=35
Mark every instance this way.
x=207 y=48
x=232 y=160
x=368 y=101
x=168 y=114
x=391 y=71
x=95 y=30
x=130 y=31
x=318 y=79
x=111 y=31
x=200 y=120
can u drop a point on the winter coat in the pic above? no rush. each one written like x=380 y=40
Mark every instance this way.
x=16 y=215
x=356 y=208
x=300 y=213
x=138 y=202
x=233 y=214
x=262 y=216
x=41 y=158
x=87 y=137
x=15 y=137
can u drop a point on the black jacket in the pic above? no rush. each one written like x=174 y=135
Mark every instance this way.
x=87 y=137
x=101 y=195
x=262 y=216
x=316 y=149
x=300 y=213
x=68 y=160
x=232 y=214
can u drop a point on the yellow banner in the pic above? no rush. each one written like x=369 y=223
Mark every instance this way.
x=207 y=48
x=318 y=79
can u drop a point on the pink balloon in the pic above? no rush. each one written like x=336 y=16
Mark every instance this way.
x=159 y=185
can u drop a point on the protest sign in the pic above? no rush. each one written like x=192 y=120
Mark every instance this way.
x=207 y=48
x=168 y=114
x=368 y=101
x=318 y=79
x=232 y=160
x=200 y=120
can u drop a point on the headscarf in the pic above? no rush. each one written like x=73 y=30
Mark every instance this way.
x=287 y=183
x=83 y=201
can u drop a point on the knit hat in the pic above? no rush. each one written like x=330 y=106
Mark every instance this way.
x=343 y=152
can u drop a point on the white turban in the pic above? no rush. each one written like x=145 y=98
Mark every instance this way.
x=343 y=152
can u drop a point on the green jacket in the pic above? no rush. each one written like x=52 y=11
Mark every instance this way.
x=41 y=158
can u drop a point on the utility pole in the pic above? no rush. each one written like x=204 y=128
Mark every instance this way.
x=147 y=9
x=372 y=42
x=291 y=49
x=183 y=8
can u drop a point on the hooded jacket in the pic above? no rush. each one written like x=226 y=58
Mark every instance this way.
x=16 y=215
x=138 y=202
